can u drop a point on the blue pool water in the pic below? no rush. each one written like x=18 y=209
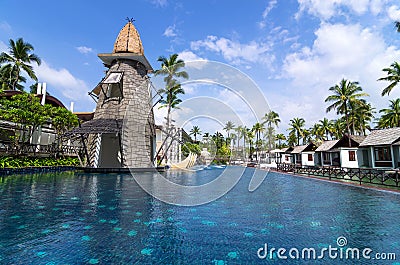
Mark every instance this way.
x=75 y=218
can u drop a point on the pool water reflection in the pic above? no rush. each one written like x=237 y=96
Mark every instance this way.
x=76 y=218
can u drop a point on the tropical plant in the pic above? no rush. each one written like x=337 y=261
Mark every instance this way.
x=18 y=59
x=325 y=126
x=171 y=69
x=344 y=95
x=280 y=137
x=195 y=131
x=229 y=126
x=271 y=118
x=250 y=138
x=26 y=112
x=7 y=77
x=296 y=127
x=317 y=132
x=62 y=120
x=397 y=26
x=392 y=76
x=391 y=116
x=258 y=128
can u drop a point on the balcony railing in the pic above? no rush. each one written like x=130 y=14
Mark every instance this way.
x=388 y=178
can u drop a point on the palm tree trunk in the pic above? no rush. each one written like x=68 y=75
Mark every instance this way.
x=16 y=79
x=347 y=124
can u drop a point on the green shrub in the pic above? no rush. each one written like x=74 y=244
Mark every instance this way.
x=18 y=162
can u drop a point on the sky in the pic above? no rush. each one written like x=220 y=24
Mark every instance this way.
x=293 y=51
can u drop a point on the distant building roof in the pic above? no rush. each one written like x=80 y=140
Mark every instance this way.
x=303 y=148
x=326 y=146
x=356 y=140
x=84 y=116
x=49 y=99
x=382 y=137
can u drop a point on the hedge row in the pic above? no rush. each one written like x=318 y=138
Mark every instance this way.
x=19 y=162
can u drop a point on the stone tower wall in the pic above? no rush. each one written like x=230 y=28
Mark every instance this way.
x=135 y=109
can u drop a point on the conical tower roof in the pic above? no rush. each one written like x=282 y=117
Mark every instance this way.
x=128 y=40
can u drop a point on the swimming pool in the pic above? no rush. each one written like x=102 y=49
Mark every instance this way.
x=76 y=218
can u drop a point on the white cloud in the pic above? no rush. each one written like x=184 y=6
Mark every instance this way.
x=339 y=51
x=3 y=47
x=170 y=31
x=64 y=83
x=4 y=26
x=326 y=9
x=236 y=52
x=188 y=56
x=84 y=49
x=159 y=3
x=269 y=7
x=394 y=12
x=265 y=13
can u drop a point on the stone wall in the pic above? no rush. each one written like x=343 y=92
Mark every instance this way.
x=136 y=109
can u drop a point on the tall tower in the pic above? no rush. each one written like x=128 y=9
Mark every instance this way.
x=123 y=132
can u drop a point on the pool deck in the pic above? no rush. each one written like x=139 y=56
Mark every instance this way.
x=365 y=186
x=121 y=170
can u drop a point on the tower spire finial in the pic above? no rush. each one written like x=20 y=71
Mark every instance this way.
x=130 y=19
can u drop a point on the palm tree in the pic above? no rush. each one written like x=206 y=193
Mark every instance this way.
x=292 y=139
x=258 y=128
x=280 y=137
x=195 y=131
x=297 y=128
x=7 y=75
x=397 y=26
x=393 y=76
x=171 y=69
x=228 y=127
x=391 y=116
x=317 y=132
x=271 y=118
x=360 y=117
x=338 y=127
x=344 y=94
x=325 y=126
x=18 y=59
x=250 y=138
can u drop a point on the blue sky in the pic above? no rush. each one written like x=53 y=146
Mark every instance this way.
x=294 y=50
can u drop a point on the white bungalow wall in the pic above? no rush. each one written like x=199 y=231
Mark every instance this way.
x=345 y=158
x=305 y=161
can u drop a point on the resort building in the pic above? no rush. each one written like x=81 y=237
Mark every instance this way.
x=286 y=156
x=351 y=156
x=303 y=155
x=122 y=132
x=382 y=148
x=39 y=143
x=326 y=155
x=174 y=154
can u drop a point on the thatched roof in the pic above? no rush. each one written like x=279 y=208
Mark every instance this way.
x=303 y=148
x=382 y=137
x=99 y=126
x=128 y=40
x=326 y=146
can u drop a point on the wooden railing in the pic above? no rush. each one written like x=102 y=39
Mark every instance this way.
x=390 y=178
x=34 y=149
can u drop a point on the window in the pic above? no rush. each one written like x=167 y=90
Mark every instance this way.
x=112 y=85
x=286 y=158
x=352 y=155
x=310 y=157
x=382 y=154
